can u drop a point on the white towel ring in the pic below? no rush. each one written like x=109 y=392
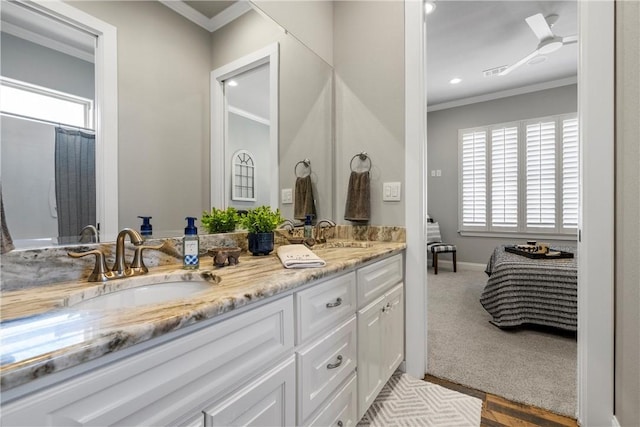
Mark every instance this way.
x=363 y=156
x=307 y=168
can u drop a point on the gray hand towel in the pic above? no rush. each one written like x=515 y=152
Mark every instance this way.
x=304 y=204
x=358 y=206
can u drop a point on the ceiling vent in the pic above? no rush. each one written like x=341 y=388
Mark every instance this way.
x=494 y=71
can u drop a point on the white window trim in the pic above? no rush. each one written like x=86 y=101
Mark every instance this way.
x=234 y=177
x=521 y=231
x=87 y=104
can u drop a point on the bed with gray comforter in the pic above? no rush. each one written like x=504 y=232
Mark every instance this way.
x=522 y=290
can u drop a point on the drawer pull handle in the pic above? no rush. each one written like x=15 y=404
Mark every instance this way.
x=335 y=365
x=334 y=304
x=340 y=423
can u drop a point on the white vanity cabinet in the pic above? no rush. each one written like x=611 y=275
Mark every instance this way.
x=317 y=355
x=174 y=382
x=380 y=327
x=326 y=350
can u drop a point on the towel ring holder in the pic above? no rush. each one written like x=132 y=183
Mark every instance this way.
x=363 y=156
x=307 y=167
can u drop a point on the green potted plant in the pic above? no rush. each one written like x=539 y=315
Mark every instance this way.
x=260 y=223
x=220 y=220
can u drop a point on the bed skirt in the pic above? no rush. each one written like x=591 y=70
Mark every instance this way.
x=523 y=291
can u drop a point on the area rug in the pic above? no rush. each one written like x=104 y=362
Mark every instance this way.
x=407 y=401
x=528 y=365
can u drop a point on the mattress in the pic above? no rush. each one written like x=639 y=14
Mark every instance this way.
x=523 y=291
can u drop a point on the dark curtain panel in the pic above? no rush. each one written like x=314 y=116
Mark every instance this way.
x=75 y=158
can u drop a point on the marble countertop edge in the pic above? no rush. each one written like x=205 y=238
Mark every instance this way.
x=106 y=332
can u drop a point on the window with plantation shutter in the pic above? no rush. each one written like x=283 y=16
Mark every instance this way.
x=474 y=178
x=570 y=164
x=520 y=177
x=504 y=177
x=541 y=175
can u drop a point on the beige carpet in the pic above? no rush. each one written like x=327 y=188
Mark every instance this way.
x=532 y=366
x=407 y=401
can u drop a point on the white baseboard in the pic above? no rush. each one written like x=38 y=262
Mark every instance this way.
x=467 y=266
x=614 y=422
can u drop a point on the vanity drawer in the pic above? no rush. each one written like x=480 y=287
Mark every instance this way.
x=324 y=365
x=375 y=279
x=324 y=305
x=341 y=409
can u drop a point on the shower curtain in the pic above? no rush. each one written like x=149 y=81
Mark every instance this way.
x=75 y=164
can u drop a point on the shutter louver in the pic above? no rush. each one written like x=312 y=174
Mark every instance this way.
x=570 y=178
x=504 y=177
x=474 y=186
x=541 y=181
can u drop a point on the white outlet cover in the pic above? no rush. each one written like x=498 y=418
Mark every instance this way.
x=287 y=196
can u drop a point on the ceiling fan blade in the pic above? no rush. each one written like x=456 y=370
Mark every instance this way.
x=540 y=26
x=570 y=39
x=524 y=60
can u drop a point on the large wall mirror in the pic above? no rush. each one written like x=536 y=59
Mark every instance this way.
x=164 y=119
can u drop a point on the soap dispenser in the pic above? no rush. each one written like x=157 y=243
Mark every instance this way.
x=190 y=245
x=308 y=228
x=146 y=229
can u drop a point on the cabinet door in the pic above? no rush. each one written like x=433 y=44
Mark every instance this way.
x=370 y=353
x=393 y=330
x=267 y=401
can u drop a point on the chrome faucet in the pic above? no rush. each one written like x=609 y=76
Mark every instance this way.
x=320 y=231
x=101 y=273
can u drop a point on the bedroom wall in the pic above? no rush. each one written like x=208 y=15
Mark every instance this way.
x=627 y=267
x=442 y=153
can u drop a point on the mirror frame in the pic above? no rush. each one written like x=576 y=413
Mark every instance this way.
x=220 y=185
x=106 y=106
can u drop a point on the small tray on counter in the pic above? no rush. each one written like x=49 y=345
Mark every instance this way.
x=553 y=253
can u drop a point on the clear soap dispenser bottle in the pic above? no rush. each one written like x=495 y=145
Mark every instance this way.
x=308 y=228
x=190 y=245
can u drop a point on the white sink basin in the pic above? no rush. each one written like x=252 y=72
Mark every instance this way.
x=143 y=295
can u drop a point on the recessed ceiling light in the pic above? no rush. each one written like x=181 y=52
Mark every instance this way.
x=232 y=83
x=429 y=6
x=455 y=80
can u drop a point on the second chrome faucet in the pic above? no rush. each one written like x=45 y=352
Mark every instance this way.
x=101 y=273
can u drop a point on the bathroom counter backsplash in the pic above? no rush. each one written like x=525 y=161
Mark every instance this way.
x=41 y=335
x=21 y=269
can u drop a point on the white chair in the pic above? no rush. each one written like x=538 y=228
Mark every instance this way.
x=436 y=246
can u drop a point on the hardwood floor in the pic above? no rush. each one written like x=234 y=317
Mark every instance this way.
x=500 y=412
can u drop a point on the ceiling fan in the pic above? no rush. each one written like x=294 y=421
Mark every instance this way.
x=548 y=42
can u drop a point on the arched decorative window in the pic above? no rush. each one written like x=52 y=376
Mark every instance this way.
x=243 y=179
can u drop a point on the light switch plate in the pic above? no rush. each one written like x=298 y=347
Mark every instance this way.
x=287 y=196
x=391 y=191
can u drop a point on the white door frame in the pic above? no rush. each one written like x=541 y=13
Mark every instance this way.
x=220 y=194
x=106 y=104
x=595 y=259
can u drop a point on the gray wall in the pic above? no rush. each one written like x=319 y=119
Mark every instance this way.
x=38 y=65
x=627 y=267
x=311 y=22
x=305 y=101
x=163 y=112
x=369 y=68
x=442 y=153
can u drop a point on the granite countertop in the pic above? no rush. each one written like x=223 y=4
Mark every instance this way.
x=40 y=334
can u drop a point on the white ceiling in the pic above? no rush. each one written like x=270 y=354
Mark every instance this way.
x=464 y=38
